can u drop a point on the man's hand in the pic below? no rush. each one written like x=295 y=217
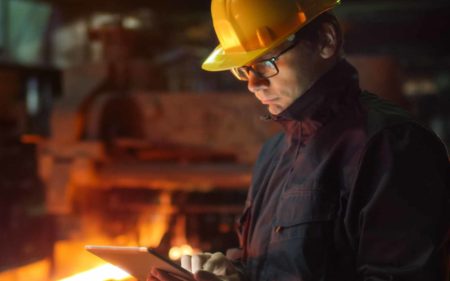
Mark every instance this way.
x=204 y=266
x=161 y=275
x=210 y=267
x=156 y=274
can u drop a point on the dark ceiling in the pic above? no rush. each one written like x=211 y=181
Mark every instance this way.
x=75 y=8
x=402 y=27
x=82 y=6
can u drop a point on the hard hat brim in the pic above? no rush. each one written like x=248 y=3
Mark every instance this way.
x=218 y=60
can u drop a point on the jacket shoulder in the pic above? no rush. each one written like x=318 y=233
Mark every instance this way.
x=382 y=114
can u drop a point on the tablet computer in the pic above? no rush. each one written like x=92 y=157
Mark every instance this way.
x=137 y=261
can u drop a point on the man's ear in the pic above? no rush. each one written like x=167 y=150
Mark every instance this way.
x=329 y=41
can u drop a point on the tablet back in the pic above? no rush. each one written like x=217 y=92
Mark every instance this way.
x=137 y=261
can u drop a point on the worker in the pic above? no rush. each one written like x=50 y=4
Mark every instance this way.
x=352 y=188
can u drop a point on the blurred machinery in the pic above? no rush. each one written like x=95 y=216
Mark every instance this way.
x=111 y=160
x=130 y=159
x=25 y=96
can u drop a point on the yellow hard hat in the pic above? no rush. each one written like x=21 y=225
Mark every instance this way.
x=247 y=29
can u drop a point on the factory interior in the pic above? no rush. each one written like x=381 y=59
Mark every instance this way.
x=112 y=134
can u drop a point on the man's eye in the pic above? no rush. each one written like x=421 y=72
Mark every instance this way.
x=260 y=66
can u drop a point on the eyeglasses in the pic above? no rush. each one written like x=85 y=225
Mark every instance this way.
x=261 y=69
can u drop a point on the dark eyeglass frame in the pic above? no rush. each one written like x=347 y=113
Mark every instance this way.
x=271 y=61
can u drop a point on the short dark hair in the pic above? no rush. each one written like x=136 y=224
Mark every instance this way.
x=311 y=31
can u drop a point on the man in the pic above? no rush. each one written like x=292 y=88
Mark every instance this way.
x=353 y=188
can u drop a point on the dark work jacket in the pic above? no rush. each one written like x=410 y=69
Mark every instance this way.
x=353 y=189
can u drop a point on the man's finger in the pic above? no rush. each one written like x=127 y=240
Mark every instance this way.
x=219 y=265
x=186 y=262
x=151 y=276
x=197 y=261
x=216 y=261
x=202 y=275
x=161 y=275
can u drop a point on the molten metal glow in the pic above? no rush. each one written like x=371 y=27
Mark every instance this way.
x=101 y=273
x=38 y=271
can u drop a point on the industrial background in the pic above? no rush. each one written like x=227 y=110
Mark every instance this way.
x=110 y=133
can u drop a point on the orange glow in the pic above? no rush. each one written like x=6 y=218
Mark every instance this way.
x=175 y=253
x=153 y=224
x=31 y=138
x=38 y=271
x=71 y=262
x=186 y=250
x=102 y=273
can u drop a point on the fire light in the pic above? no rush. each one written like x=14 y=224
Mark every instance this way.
x=175 y=253
x=104 y=272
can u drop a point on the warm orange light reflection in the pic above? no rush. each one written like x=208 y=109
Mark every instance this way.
x=101 y=273
x=39 y=271
x=175 y=253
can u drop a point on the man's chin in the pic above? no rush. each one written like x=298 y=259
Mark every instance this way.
x=274 y=109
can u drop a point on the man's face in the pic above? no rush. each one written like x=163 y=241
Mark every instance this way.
x=298 y=69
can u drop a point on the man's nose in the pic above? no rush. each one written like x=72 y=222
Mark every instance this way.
x=256 y=83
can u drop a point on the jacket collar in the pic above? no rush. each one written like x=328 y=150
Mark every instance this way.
x=323 y=100
x=326 y=91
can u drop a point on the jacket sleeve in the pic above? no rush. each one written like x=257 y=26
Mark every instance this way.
x=398 y=208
